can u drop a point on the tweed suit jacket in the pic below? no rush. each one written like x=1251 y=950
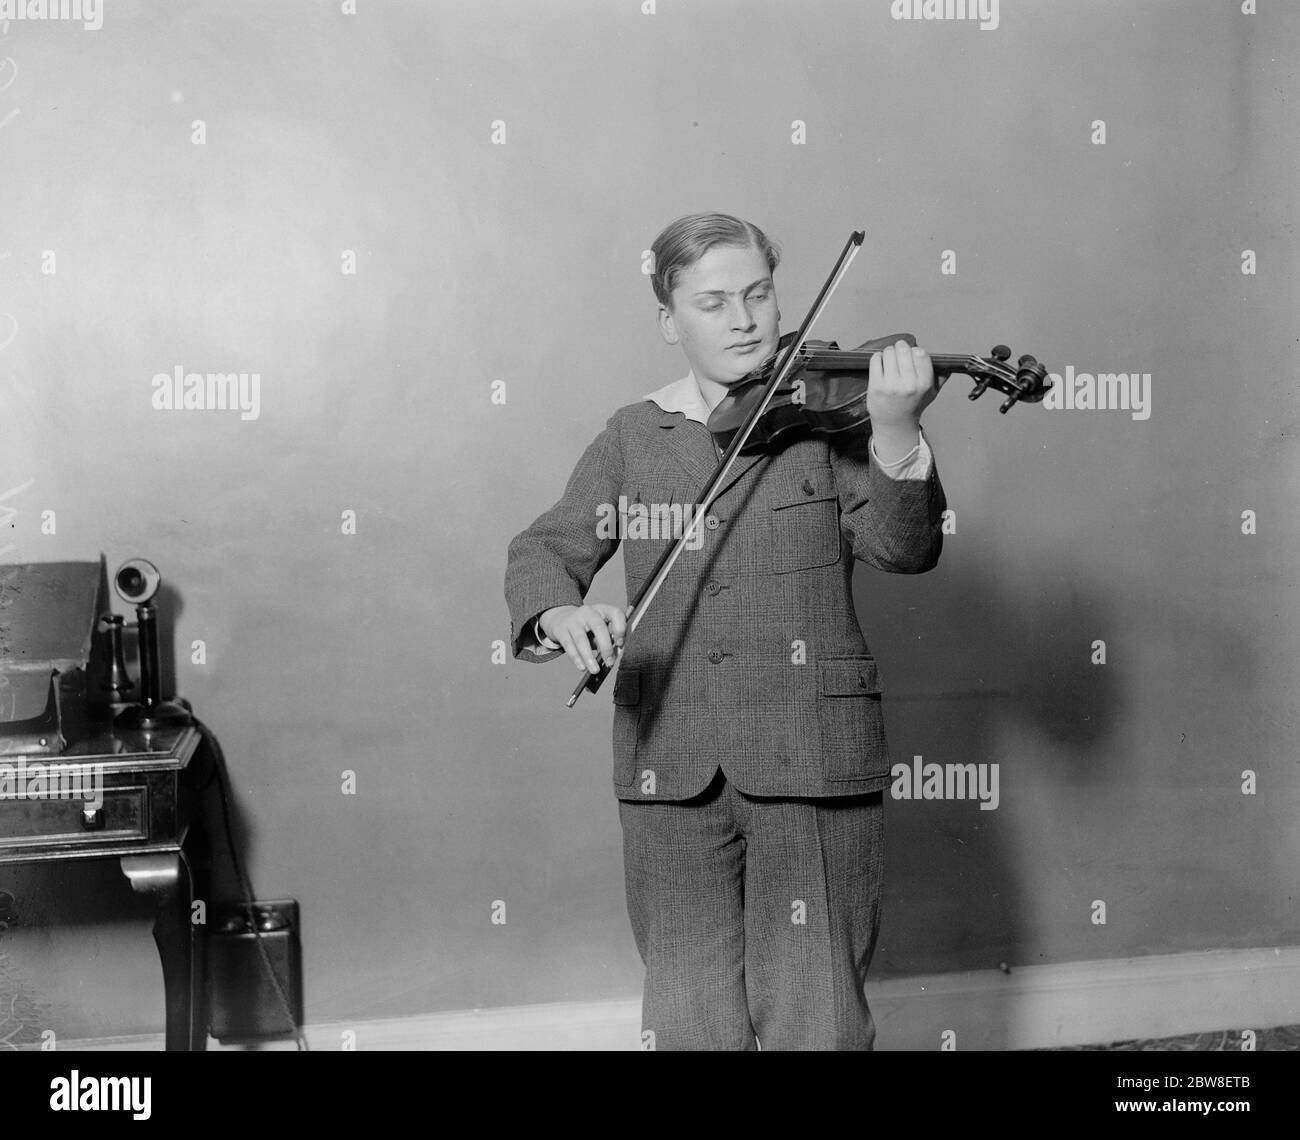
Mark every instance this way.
x=751 y=657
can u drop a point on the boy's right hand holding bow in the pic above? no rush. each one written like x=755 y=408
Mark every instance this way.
x=574 y=626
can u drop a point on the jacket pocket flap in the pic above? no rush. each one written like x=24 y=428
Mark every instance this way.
x=627 y=688
x=850 y=677
x=805 y=485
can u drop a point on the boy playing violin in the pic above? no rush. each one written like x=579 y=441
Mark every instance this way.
x=750 y=754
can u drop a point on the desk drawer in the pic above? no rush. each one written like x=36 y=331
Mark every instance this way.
x=30 y=823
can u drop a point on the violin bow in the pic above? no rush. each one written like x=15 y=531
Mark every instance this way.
x=592 y=681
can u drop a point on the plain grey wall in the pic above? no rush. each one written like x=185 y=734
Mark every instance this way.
x=521 y=263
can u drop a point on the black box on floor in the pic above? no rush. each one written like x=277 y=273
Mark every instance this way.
x=244 y=1003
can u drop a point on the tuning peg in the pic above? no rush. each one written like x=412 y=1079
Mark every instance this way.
x=1030 y=382
x=981 y=386
x=1001 y=352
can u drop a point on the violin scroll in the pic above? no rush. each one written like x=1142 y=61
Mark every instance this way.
x=1028 y=382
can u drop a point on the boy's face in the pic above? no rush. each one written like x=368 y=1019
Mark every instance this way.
x=724 y=313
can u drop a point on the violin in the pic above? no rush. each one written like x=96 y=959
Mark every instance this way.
x=826 y=390
x=813 y=386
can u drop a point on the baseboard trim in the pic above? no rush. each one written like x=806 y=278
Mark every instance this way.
x=1033 y=1007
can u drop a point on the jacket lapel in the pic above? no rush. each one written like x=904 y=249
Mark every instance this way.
x=691 y=446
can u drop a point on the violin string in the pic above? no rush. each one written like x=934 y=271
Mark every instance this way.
x=858 y=356
x=950 y=361
x=854 y=356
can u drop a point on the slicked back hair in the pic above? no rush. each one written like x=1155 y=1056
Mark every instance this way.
x=683 y=242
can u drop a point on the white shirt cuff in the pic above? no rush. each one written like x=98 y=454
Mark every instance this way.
x=914 y=465
x=542 y=639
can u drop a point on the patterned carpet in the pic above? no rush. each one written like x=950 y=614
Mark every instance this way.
x=1283 y=1038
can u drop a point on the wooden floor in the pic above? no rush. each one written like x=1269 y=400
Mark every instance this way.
x=1284 y=1038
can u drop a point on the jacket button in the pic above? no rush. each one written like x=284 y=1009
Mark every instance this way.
x=711 y=521
x=862 y=681
x=808 y=488
x=713 y=587
x=715 y=655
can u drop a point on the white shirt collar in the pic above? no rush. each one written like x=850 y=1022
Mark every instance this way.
x=682 y=396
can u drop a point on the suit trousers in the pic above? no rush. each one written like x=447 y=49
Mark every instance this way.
x=756 y=917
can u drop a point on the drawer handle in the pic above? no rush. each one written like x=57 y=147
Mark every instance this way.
x=92 y=818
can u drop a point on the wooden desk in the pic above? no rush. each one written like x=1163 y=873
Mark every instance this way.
x=150 y=794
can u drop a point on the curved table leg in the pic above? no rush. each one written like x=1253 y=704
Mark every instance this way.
x=168 y=879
